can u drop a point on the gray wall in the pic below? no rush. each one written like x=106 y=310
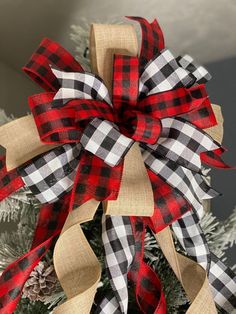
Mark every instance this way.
x=222 y=91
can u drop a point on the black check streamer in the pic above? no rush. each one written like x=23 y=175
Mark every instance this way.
x=175 y=158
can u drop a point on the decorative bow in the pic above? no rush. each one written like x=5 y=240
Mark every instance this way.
x=161 y=103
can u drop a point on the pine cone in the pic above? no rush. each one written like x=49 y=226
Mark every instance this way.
x=41 y=283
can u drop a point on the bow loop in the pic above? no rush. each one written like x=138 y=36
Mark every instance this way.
x=182 y=142
x=50 y=52
x=125 y=82
x=162 y=74
x=79 y=85
x=152 y=40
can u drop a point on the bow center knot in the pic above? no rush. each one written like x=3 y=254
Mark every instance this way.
x=139 y=126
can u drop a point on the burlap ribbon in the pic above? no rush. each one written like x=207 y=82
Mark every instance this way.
x=76 y=265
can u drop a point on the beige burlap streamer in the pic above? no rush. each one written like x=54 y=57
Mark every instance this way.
x=76 y=265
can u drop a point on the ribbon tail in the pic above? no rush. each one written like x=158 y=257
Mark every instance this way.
x=13 y=278
x=16 y=274
x=170 y=205
x=149 y=294
x=213 y=158
x=118 y=243
x=152 y=39
x=10 y=181
x=222 y=279
x=192 y=239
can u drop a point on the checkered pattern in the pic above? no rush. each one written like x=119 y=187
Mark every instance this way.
x=109 y=305
x=103 y=140
x=50 y=222
x=191 y=185
x=132 y=123
x=183 y=143
x=10 y=181
x=152 y=40
x=192 y=239
x=50 y=52
x=118 y=243
x=162 y=74
x=80 y=85
x=222 y=279
x=223 y=285
x=169 y=203
x=125 y=82
x=51 y=175
x=65 y=125
x=95 y=180
x=149 y=294
x=199 y=72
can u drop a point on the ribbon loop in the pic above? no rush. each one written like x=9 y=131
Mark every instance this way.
x=79 y=85
x=50 y=52
x=183 y=143
x=103 y=140
x=152 y=40
x=125 y=83
x=198 y=71
x=162 y=74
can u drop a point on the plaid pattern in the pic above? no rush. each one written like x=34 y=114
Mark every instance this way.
x=79 y=85
x=10 y=181
x=152 y=40
x=13 y=278
x=162 y=74
x=183 y=143
x=169 y=203
x=134 y=124
x=102 y=139
x=95 y=180
x=109 y=305
x=52 y=175
x=149 y=294
x=141 y=127
x=125 y=82
x=118 y=243
x=191 y=185
x=50 y=52
x=223 y=285
x=213 y=158
x=198 y=71
x=222 y=279
x=192 y=239
x=65 y=125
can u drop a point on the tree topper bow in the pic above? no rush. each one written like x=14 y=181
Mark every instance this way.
x=158 y=101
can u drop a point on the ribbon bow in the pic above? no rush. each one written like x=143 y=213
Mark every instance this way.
x=156 y=105
x=161 y=103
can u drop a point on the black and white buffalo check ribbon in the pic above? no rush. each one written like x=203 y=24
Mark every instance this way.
x=222 y=279
x=119 y=248
x=52 y=175
x=199 y=72
x=82 y=85
x=162 y=74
